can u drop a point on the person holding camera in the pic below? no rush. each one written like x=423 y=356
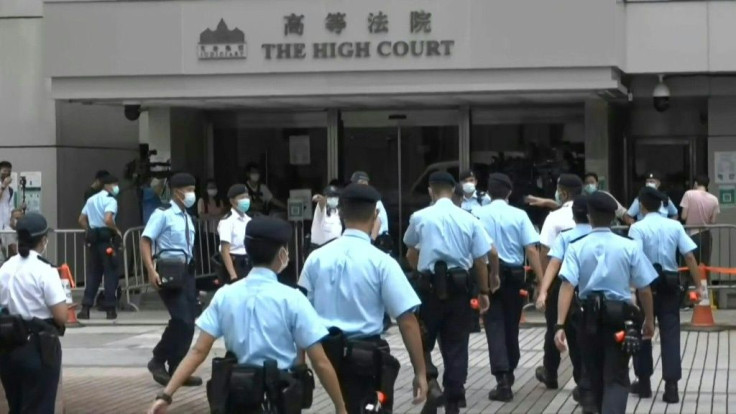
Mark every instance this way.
x=171 y=230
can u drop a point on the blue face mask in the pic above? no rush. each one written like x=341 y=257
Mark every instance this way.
x=244 y=205
x=115 y=190
x=590 y=188
x=189 y=199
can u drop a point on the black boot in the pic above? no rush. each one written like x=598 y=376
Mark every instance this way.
x=502 y=392
x=84 y=313
x=112 y=314
x=546 y=378
x=158 y=371
x=642 y=388
x=671 y=395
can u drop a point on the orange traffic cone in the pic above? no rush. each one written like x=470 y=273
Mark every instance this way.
x=702 y=312
x=68 y=282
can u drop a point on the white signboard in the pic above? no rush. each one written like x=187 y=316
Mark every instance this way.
x=725 y=163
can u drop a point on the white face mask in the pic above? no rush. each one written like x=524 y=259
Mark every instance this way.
x=211 y=192
x=255 y=177
x=332 y=202
x=652 y=185
x=285 y=263
x=189 y=199
x=468 y=188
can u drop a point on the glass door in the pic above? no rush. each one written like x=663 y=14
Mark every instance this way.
x=399 y=150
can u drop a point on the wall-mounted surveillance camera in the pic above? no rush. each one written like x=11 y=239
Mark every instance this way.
x=132 y=112
x=661 y=96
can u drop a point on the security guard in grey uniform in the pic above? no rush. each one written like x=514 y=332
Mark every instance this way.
x=514 y=237
x=33 y=316
x=350 y=283
x=266 y=325
x=103 y=242
x=603 y=266
x=169 y=234
x=450 y=241
x=661 y=238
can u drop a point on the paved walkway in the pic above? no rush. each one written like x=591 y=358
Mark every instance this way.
x=104 y=371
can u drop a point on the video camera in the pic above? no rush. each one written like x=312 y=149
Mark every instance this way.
x=141 y=170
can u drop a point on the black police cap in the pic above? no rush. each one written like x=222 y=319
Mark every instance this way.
x=236 y=190
x=268 y=229
x=466 y=174
x=180 y=180
x=652 y=175
x=358 y=192
x=499 y=180
x=101 y=173
x=602 y=202
x=32 y=224
x=652 y=194
x=331 y=191
x=570 y=181
x=359 y=176
x=109 y=179
x=442 y=177
x=459 y=192
x=580 y=205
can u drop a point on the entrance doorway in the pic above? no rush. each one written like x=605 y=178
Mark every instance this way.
x=399 y=150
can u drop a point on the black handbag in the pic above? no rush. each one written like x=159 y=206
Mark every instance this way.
x=172 y=270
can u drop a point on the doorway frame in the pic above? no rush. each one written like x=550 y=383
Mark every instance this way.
x=630 y=163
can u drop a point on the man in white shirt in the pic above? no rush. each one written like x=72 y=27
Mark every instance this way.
x=7 y=203
x=326 y=225
x=231 y=230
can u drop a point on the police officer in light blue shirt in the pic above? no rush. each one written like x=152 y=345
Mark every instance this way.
x=551 y=284
x=98 y=220
x=451 y=242
x=667 y=209
x=260 y=318
x=169 y=234
x=381 y=225
x=472 y=198
x=661 y=238
x=603 y=266
x=513 y=235
x=350 y=283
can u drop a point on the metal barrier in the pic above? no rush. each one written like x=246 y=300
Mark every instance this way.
x=206 y=243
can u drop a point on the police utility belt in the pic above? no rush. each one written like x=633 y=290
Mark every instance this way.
x=599 y=312
x=363 y=357
x=667 y=282
x=15 y=332
x=173 y=271
x=444 y=282
x=236 y=388
x=511 y=275
x=99 y=235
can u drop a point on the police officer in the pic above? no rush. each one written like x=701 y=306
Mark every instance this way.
x=32 y=301
x=513 y=235
x=661 y=239
x=472 y=198
x=451 y=242
x=261 y=320
x=668 y=209
x=603 y=265
x=350 y=283
x=231 y=230
x=171 y=230
x=103 y=242
x=381 y=226
x=549 y=291
x=569 y=186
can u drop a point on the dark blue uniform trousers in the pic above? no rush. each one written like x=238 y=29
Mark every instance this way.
x=99 y=263
x=667 y=312
x=502 y=329
x=30 y=385
x=448 y=322
x=552 y=356
x=177 y=337
x=604 y=385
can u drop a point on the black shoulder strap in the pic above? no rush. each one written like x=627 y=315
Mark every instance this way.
x=579 y=238
x=45 y=260
x=165 y=206
x=227 y=215
x=565 y=230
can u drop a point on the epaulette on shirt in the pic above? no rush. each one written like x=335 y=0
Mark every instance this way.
x=45 y=260
x=227 y=216
x=566 y=230
x=579 y=238
x=165 y=206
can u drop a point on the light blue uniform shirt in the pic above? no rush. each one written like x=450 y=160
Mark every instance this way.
x=446 y=233
x=383 y=216
x=167 y=229
x=559 y=248
x=98 y=206
x=262 y=319
x=509 y=228
x=605 y=262
x=669 y=211
x=470 y=204
x=660 y=238
x=350 y=283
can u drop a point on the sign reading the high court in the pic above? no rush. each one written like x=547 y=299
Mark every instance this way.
x=376 y=23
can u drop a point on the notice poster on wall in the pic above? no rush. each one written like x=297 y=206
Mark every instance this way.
x=725 y=163
x=299 y=150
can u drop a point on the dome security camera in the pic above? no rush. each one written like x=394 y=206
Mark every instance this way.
x=661 y=96
x=132 y=112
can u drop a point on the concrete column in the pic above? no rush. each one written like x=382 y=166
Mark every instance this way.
x=464 y=127
x=332 y=144
x=155 y=130
x=597 y=139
